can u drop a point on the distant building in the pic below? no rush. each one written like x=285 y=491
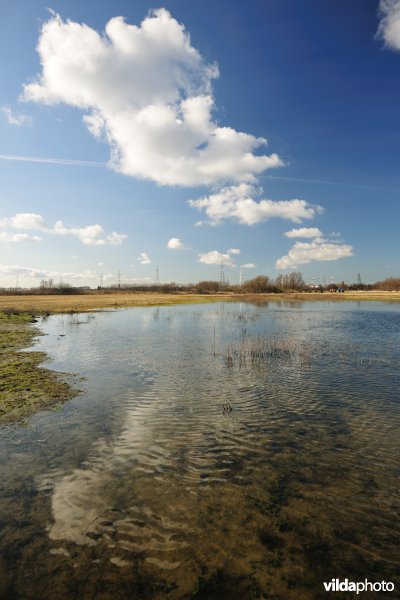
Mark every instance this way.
x=316 y=288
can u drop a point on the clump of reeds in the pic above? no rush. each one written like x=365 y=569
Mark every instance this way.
x=257 y=349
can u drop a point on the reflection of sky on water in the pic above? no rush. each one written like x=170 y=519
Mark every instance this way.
x=174 y=346
x=166 y=430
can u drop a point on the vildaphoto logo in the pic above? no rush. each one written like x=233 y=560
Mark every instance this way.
x=337 y=585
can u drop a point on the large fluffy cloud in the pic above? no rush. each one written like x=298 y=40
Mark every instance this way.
x=319 y=249
x=91 y=235
x=238 y=202
x=147 y=91
x=389 y=27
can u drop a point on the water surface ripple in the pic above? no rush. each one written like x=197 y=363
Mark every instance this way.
x=218 y=451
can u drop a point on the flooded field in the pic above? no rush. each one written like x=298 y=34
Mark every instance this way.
x=217 y=451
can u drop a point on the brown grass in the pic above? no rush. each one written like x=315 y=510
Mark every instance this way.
x=373 y=295
x=97 y=301
x=92 y=302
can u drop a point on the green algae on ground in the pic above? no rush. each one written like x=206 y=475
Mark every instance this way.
x=25 y=386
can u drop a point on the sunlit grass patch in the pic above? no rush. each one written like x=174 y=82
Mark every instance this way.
x=25 y=386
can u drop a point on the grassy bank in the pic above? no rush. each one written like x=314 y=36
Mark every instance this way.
x=25 y=386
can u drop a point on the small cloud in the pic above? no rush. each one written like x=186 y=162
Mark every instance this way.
x=319 y=249
x=239 y=203
x=216 y=258
x=304 y=232
x=91 y=235
x=389 y=26
x=25 y=221
x=248 y=266
x=176 y=244
x=144 y=258
x=116 y=239
x=15 y=119
x=100 y=264
x=19 y=237
x=234 y=251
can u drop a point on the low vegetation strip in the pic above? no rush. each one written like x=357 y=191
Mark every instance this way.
x=25 y=386
x=36 y=304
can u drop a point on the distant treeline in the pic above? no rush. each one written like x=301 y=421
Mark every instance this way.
x=262 y=284
x=390 y=284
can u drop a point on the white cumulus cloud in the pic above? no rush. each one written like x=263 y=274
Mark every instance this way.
x=319 y=249
x=389 y=26
x=237 y=202
x=304 y=232
x=214 y=257
x=148 y=93
x=176 y=244
x=248 y=266
x=91 y=235
x=24 y=221
x=144 y=258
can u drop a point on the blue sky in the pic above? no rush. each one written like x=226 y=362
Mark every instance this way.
x=181 y=103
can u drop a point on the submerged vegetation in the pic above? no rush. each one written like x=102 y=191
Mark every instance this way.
x=25 y=386
x=255 y=349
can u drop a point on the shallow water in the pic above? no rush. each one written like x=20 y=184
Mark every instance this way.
x=218 y=451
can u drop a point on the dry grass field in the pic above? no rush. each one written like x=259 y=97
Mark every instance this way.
x=95 y=301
